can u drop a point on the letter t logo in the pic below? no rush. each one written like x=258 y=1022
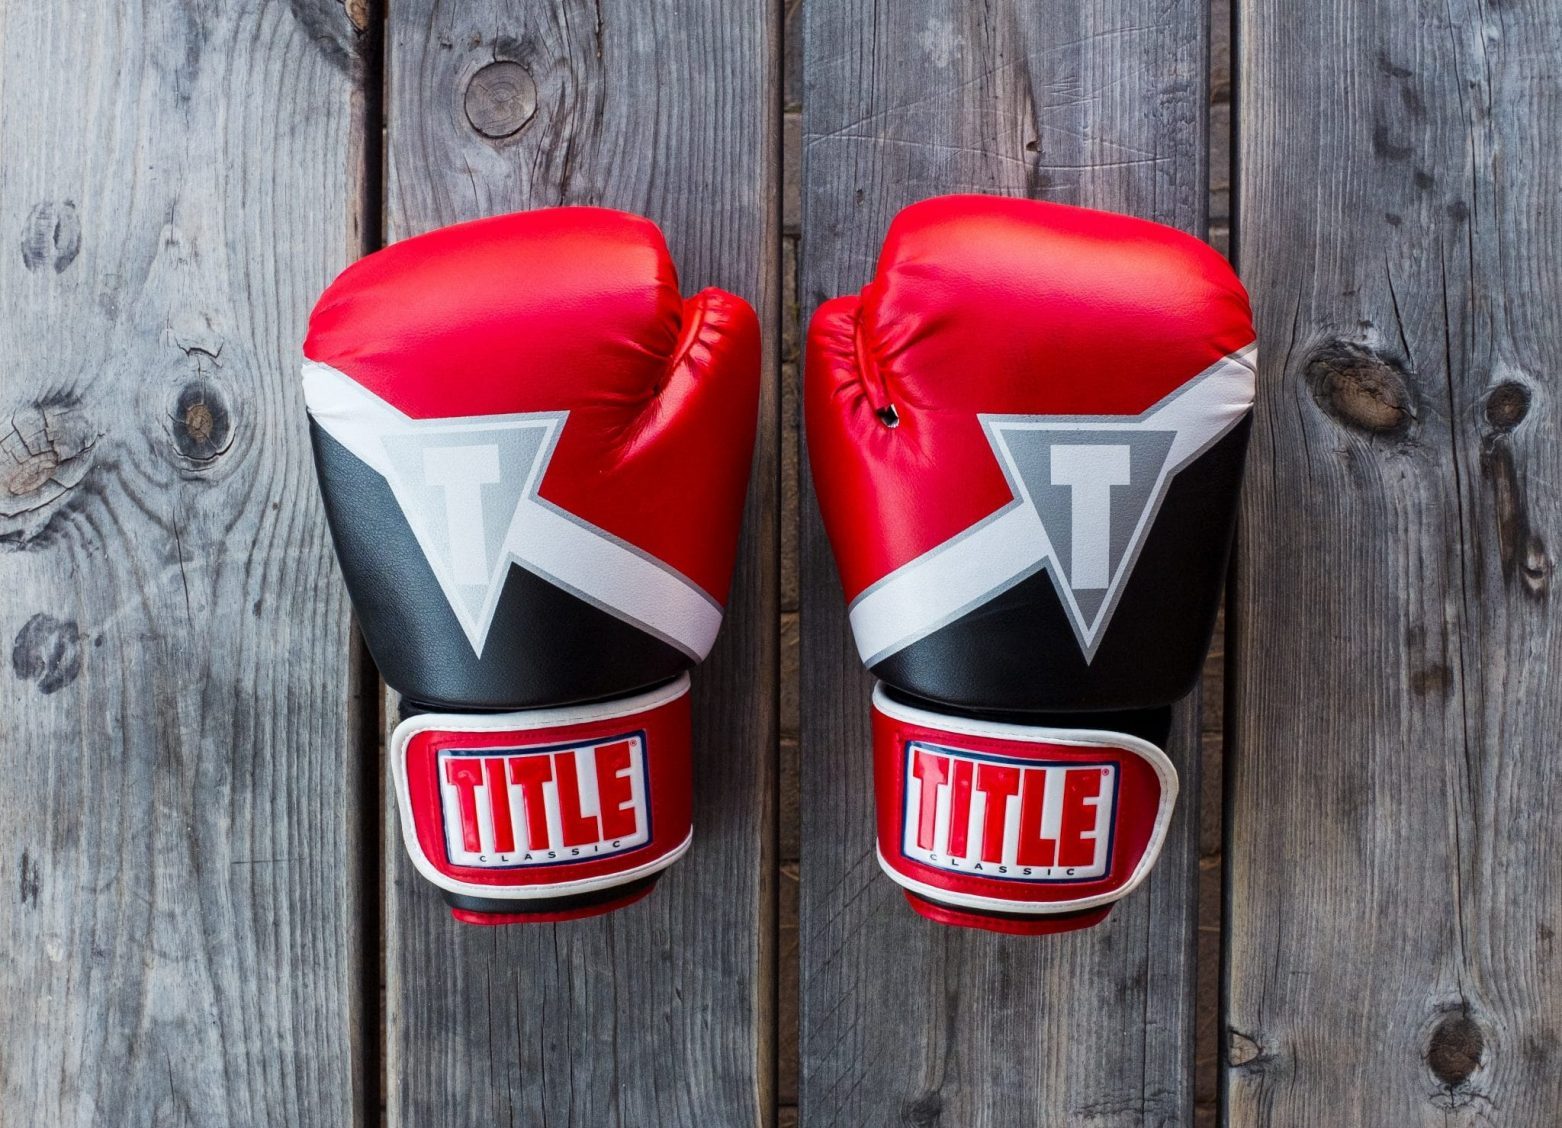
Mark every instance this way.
x=462 y=472
x=1090 y=472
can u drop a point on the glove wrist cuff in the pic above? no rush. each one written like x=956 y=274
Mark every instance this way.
x=538 y=814
x=1010 y=827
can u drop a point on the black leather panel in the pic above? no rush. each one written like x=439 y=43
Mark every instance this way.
x=1018 y=653
x=1152 y=724
x=573 y=902
x=545 y=647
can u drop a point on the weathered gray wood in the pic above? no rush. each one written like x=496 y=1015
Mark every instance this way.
x=179 y=825
x=1395 y=865
x=906 y=1022
x=659 y=1013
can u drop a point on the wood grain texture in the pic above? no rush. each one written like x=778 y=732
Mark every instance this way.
x=1395 y=871
x=906 y=1022
x=178 y=826
x=659 y=1013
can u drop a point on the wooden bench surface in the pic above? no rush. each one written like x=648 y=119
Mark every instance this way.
x=206 y=916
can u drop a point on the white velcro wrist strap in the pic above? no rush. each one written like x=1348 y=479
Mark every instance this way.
x=545 y=803
x=1015 y=819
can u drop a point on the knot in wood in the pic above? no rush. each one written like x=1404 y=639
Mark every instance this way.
x=31 y=884
x=202 y=425
x=924 y=1111
x=1507 y=405
x=43 y=458
x=198 y=422
x=1241 y=1049
x=500 y=99
x=1455 y=1049
x=47 y=651
x=1361 y=388
x=30 y=474
x=52 y=237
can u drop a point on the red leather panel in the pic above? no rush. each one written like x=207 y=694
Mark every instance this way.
x=1009 y=926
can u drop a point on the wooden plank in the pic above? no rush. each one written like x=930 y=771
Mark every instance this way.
x=1395 y=870
x=905 y=1022
x=179 y=826
x=660 y=1013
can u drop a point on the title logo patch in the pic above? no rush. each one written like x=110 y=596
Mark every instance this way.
x=1001 y=817
x=504 y=808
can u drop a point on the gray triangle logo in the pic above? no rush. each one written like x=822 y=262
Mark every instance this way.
x=1095 y=491
x=461 y=487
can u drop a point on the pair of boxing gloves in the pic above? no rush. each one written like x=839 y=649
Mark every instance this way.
x=1026 y=437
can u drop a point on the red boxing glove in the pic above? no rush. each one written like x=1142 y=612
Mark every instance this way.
x=533 y=456
x=1027 y=436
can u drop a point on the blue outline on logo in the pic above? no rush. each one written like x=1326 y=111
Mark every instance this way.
x=538 y=750
x=1017 y=761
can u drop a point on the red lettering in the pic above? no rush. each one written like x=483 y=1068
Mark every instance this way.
x=499 y=805
x=1034 y=850
x=531 y=772
x=998 y=782
x=960 y=807
x=1079 y=817
x=933 y=771
x=615 y=793
x=466 y=776
x=577 y=829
